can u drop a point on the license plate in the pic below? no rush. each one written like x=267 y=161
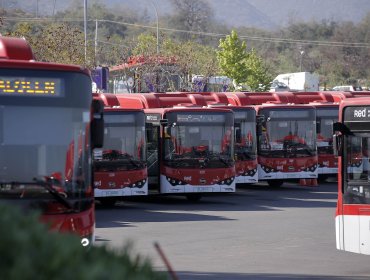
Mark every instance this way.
x=111 y=193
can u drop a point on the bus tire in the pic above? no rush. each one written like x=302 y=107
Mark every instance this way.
x=322 y=178
x=108 y=201
x=275 y=183
x=193 y=197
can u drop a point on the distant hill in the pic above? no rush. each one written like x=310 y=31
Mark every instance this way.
x=282 y=11
x=269 y=14
x=266 y=14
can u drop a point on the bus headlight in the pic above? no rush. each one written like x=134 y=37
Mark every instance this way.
x=175 y=182
x=267 y=169
x=227 y=181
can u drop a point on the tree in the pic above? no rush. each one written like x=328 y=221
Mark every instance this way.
x=192 y=58
x=54 y=42
x=232 y=58
x=258 y=79
x=30 y=251
x=146 y=45
x=191 y=15
x=241 y=66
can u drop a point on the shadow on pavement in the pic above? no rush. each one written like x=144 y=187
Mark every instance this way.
x=258 y=276
x=159 y=208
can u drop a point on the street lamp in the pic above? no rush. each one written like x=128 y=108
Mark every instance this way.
x=300 y=61
x=85 y=27
x=156 y=14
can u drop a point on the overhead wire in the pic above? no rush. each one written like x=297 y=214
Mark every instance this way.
x=202 y=33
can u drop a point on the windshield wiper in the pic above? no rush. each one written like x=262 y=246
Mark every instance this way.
x=272 y=153
x=299 y=148
x=181 y=162
x=220 y=158
x=244 y=155
x=46 y=185
x=116 y=155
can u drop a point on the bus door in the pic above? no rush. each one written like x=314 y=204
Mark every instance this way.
x=152 y=130
x=325 y=117
x=353 y=207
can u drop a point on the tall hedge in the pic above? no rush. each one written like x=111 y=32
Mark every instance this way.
x=28 y=250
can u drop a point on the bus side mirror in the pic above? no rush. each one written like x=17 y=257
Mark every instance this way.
x=339 y=130
x=97 y=124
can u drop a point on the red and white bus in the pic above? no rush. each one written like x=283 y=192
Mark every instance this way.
x=49 y=125
x=120 y=165
x=352 y=144
x=189 y=148
x=245 y=139
x=286 y=134
x=245 y=144
x=287 y=143
x=326 y=114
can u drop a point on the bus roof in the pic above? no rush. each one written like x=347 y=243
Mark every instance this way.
x=17 y=53
x=159 y=100
x=188 y=110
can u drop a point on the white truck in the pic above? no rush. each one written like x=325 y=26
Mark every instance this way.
x=300 y=81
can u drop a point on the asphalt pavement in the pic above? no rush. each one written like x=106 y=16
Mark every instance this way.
x=259 y=232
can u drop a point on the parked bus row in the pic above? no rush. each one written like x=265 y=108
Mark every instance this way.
x=196 y=143
x=178 y=143
x=276 y=137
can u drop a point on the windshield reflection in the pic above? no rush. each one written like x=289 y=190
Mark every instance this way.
x=357 y=151
x=245 y=140
x=124 y=143
x=57 y=147
x=288 y=138
x=325 y=130
x=357 y=183
x=190 y=146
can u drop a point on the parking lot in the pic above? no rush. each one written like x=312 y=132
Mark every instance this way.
x=259 y=232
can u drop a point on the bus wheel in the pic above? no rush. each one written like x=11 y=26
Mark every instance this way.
x=275 y=183
x=108 y=201
x=193 y=197
x=322 y=178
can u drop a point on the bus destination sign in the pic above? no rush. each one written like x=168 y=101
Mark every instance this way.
x=357 y=114
x=192 y=118
x=30 y=86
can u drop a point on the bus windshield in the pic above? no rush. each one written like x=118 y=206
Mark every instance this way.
x=44 y=133
x=245 y=141
x=357 y=152
x=288 y=134
x=200 y=142
x=325 y=119
x=357 y=183
x=54 y=148
x=124 y=142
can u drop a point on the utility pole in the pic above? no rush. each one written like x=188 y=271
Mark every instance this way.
x=156 y=14
x=300 y=60
x=96 y=40
x=85 y=27
x=55 y=2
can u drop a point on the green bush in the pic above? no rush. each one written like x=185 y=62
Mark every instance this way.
x=29 y=251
